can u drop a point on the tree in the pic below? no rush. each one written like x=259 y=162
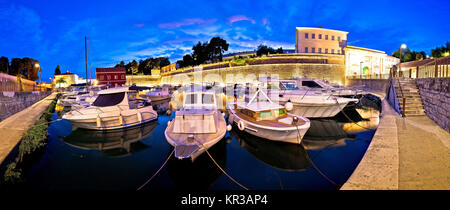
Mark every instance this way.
x=60 y=80
x=188 y=60
x=200 y=53
x=4 y=64
x=14 y=68
x=216 y=47
x=121 y=64
x=279 y=51
x=132 y=67
x=57 y=70
x=264 y=50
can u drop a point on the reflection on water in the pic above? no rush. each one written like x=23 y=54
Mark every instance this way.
x=200 y=174
x=284 y=156
x=114 y=143
x=125 y=159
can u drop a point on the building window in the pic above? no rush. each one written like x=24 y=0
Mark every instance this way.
x=326 y=51
x=306 y=50
x=339 y=38
x=123 y=77
x=320 y=36
x=332 y=37
x=326 y=37
x=338 y=52
x=320 y=50
x=313 y=50
x=102 y=77
x=306 y=35
x=109 y=77
x=332 y=51
x=116 y=77
x=313 y=36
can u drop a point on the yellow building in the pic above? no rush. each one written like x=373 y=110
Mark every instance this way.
x=359 y=61
x=168 y=68
x=320 y=40
x=66 y=79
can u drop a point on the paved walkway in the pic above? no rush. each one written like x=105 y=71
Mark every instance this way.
x=410 y=153
x=424 y=154
x=14 y=127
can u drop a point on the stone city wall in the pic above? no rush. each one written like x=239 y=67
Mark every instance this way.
x=334 y=73
x=378 y=85
x=13 y=102
x=435 y=94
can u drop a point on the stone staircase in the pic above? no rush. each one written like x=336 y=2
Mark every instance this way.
x=414 y=106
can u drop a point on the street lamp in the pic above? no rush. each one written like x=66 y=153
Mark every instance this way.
x=402 y=46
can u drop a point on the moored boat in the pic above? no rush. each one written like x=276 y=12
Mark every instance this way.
x=114 y=108
x=197 y=126
x=268 y=120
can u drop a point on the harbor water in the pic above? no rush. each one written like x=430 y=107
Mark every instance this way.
x=125 y=159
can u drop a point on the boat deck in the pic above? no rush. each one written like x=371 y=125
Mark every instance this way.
x=270 y=123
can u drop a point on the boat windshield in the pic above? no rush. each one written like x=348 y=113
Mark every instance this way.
x=289 y=85
x=111 y=99
x=207 y=99
x=192 y=99
x=311 y=84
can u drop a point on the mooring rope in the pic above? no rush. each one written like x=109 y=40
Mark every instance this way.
x=220 y=168
x=342 y=111
x=314 y=165
x=223 y=171
x=165 y=162
x=47 y=122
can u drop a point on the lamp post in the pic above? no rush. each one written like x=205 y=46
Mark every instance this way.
x=402 y=46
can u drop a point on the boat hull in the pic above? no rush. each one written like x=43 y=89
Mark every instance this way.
x=207 y=140
x=292 y=134
x=114 y=121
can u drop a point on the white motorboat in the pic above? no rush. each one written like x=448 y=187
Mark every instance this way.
x=158 y=94
x=316 y=106
x=268 y=120
x=114 y=108
x=197 y=126
x=310 y=103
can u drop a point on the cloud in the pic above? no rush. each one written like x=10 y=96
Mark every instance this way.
x=139 y=25
x=187 y=22
x=265 y=21
x=238 y=18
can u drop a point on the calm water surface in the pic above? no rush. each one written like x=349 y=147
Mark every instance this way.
x=125 y=159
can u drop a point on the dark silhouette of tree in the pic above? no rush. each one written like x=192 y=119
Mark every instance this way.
x=4 y=64
x=264 y=50
x=57 y=70
x=216 y=47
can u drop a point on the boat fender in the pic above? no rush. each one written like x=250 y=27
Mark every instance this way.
x=139 y=116
x=241 y=125
x=99 y=121
x=230 y=118
x=289 y=106
x=229 y=127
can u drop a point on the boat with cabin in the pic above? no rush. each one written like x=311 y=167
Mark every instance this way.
x=308 y=102
x=197 y=126
x=158 y=94
x=113 y=108
x=264 y=118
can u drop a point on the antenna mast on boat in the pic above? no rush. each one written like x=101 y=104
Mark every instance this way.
x=85 y=53
x=89 y=61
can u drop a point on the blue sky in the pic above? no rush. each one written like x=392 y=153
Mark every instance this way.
x=53 y=31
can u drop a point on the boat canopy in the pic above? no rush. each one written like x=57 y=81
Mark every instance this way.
x=110 y=99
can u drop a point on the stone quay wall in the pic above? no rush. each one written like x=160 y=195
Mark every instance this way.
x=13 y=102
x=435 y=94
x=334 y=73
x=378 y=85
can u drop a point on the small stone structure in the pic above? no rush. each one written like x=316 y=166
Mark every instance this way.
x=435 y=94
x=13 y=102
